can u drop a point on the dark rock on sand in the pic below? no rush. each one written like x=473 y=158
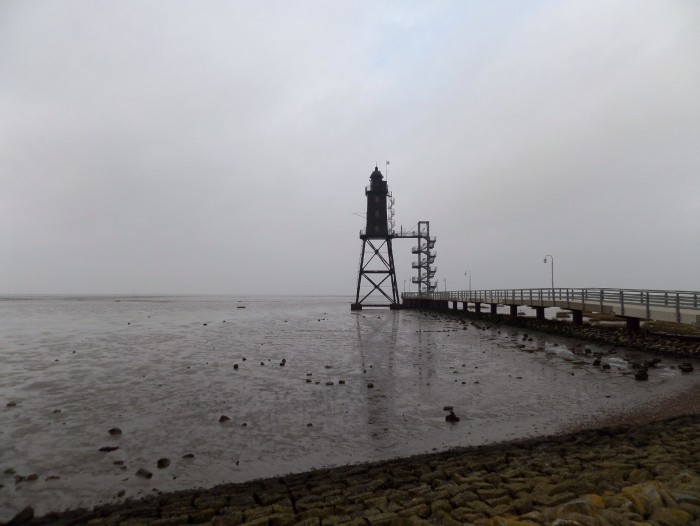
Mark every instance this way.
x=641 y=375
x=144 y=473
x=224 y=418
x=163 y=463
x=115 y=431
x=23 y=516
x=107 y=449
x=452 y=417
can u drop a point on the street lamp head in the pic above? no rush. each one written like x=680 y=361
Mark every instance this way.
x=545 y=259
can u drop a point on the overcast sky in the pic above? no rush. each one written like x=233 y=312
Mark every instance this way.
x=224 y=146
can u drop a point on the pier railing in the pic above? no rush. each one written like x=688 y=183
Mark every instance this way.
x=676 y=300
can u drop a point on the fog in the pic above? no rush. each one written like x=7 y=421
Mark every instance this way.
x=223 y=147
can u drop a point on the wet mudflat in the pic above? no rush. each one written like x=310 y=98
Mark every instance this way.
x=292 y=379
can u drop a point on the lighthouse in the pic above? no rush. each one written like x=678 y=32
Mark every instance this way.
x=376 y=279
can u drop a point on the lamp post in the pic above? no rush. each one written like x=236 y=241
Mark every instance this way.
x=469 y=273
x=551 y=258
x=445 y=281
x=404 y=286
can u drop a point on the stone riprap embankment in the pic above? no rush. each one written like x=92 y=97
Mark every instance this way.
x=627 y=475
x=663 y=344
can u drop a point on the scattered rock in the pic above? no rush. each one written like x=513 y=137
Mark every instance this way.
x=686 y=367
x=163 y=463
x=144 y=473
x=235 y=366
x=370 y=385
x=452 y=417
x=448 y=408
x=115 y=431
x=641 y=375
x=188 y=455
x=13 y=404
x=22 y=517
x=224 y=418
x=107 y=449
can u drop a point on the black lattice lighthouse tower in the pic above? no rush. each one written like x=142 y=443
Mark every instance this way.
x=376 y=280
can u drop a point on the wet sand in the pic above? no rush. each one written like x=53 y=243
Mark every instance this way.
x=505 y=385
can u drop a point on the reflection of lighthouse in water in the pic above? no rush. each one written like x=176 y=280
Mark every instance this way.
x=384 y=355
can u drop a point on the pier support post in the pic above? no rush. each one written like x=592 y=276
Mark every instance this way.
x=513 y=310
x=494 y=308
x=632 y=324
x=577 y=317
x=477 y=307
x=356 y=306
x=539 y=313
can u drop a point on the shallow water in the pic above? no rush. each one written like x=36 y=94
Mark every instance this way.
x=162 y=370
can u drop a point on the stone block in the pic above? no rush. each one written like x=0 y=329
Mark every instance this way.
x=308 y=501
x=280 y=519
x=316 y=512
x=465 y=515
x=464 y=498
x=521 y=505
x=257 y=511
x=437 y=495
x=229 y=519
x=205 y=501
x=552 y=500
x=439 y=505
x=645 y=498
x=486 y=494
x=397 y=495
x=673 y=517
x=334 y=520
x=201 y=516
x=381 y=519
x=421 y=510
x=376 y=502
x=428 y=478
